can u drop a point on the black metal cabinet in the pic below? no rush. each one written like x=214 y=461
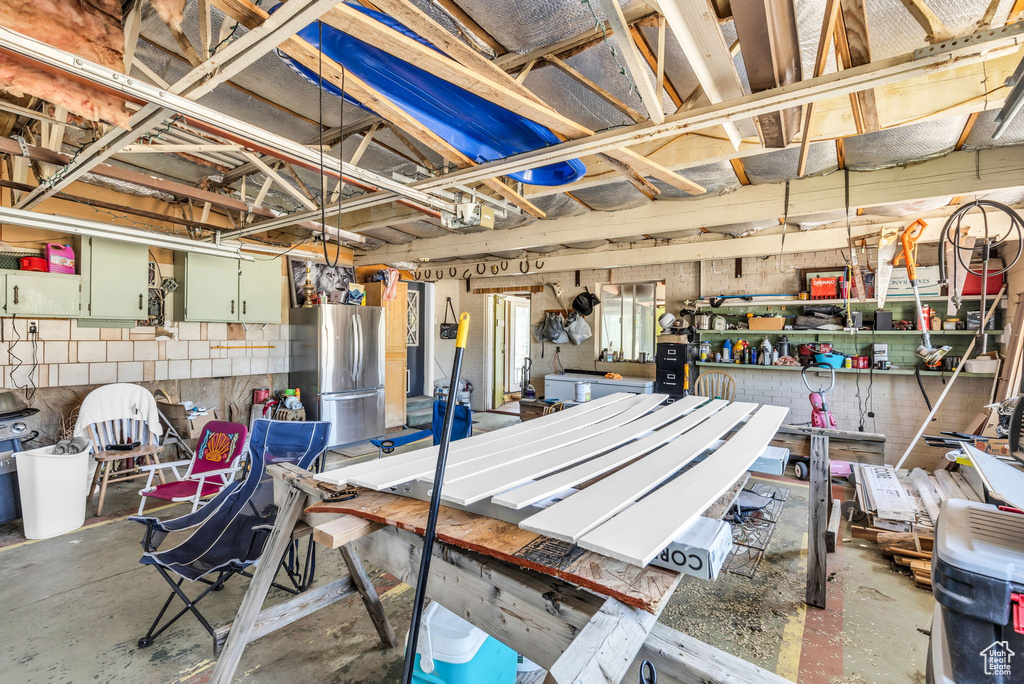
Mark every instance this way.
x=676 y=368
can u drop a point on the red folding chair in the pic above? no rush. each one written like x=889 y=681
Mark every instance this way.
x=214 y=465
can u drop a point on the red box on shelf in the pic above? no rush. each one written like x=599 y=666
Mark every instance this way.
x=826 y=287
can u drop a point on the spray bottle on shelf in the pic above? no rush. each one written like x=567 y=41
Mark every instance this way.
x=767 y=352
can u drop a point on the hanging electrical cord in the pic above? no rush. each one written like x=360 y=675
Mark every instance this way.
x=785 y=224
x=320 y=138
x=953 y=234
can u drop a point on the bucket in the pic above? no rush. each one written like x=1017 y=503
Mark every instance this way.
x=53 y=490
x=582 y=392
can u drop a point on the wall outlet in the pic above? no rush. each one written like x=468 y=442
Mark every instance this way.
x=32 y=330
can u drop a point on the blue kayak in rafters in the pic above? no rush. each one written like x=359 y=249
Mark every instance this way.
x=480 y=129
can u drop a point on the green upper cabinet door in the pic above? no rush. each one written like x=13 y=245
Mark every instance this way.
x=259 y=289
x=43 y=295
x=207 y=288
x=115 y=279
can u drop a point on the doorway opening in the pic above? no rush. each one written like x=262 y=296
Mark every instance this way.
x=511 y=337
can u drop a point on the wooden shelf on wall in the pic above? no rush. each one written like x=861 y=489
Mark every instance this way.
x=791 y=333
x=759 y=301
x=865 y=371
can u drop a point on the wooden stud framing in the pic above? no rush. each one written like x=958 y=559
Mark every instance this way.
x=636 y=116
x=853 y=48
x=696 y=28
x=828 y=28
x=968 y=127
x=656 y=62
x=935 y=30
x=462 y=17
x=635 y=64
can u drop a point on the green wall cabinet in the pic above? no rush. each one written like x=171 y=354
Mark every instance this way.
x=42 y=295
x=259 y=290
x=218 y=289
x=115 y=279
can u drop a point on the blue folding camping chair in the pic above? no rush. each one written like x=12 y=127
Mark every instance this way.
x=228 y=534
x=462 y=427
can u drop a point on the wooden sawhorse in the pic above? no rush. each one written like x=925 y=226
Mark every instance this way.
x=576 y=634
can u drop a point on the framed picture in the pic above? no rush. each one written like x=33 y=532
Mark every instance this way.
x=330 y=282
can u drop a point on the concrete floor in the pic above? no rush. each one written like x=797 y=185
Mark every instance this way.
x=76 y=605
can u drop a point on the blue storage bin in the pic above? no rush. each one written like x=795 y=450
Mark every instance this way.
x=459 y=653
x=834 y=360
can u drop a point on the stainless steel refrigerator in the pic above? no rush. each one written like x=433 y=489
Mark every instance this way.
x=337 y=361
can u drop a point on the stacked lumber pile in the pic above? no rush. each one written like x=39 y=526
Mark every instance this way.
x=898 y=510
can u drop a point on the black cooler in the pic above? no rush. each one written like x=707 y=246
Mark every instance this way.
x=977 y=632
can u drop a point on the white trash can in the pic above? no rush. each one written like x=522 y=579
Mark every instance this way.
x=53 y=490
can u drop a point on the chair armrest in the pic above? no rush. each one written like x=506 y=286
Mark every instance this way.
x=168 y=464
x=208 y=473
x=152 y=525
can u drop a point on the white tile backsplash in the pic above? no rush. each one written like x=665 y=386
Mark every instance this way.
x=74 y=374
x=92 y=352
x=220 y=367
x=69 y=355
x=119 y=351
x=179 y=369
x=50 y=329
x=102 y=373
x=129 y=371
x=200 y=349
x=201 y=368
x=55 y=352
x=78 y=333
x=189 y=331
x=177 y=349
x=145 y=350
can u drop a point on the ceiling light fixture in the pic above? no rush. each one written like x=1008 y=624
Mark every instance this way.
x=77 y=226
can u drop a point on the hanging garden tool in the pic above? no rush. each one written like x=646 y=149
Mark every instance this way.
x=931 y=355
x=435 y=503
x=886 y=253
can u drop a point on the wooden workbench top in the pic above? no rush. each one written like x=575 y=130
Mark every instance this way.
x=645 y=588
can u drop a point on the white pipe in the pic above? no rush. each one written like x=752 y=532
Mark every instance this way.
x=949 y=385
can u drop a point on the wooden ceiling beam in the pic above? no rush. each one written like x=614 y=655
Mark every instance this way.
x=968 y=127
x=958 y=173
x=853 y=48
x=608 y=97
x=828 y=28
x=656 y=62
x=470 y=24
x=635 y=64
x=935 y=30
x=696 y=28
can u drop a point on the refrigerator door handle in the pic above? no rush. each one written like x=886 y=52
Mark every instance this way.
x=359 y=347
x=355 y=394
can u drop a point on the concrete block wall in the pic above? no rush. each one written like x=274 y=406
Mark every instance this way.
x=64 y=354
x=895 y=400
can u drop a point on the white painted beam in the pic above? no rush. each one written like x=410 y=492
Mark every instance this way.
x=635 y=64
x=958 y=173
x=840 y=84
x=696 y=27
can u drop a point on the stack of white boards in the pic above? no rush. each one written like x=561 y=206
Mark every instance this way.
x=638 y=448
x=907 y=500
